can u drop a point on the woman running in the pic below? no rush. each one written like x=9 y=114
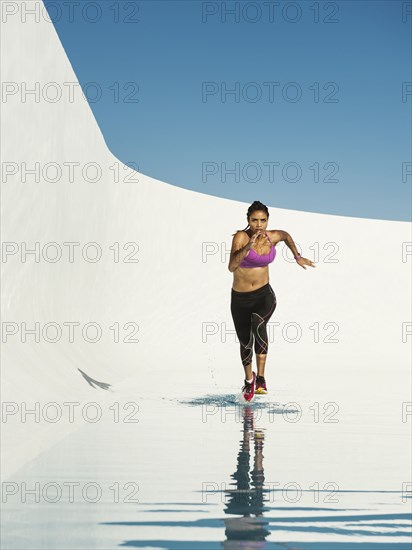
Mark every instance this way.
x=253 y=300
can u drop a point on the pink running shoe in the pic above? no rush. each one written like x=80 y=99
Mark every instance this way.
x=249 y=389
x=261 y=385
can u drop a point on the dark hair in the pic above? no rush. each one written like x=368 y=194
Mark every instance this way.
x=257 y=205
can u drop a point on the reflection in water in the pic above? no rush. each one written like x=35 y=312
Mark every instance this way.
x=247 y=499
x=349 y=525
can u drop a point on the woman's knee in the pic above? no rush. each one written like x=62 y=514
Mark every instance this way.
x=258 y=322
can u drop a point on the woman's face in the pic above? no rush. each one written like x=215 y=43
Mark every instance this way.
x=258 y=221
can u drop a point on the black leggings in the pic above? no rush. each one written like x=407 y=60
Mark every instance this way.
x=251 y=311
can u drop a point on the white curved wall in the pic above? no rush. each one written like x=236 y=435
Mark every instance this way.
x=172 y=291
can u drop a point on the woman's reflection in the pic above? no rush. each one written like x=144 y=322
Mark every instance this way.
x=247 y=498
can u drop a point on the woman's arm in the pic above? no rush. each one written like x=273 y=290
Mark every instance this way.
x=238 y=251
x=280 y=235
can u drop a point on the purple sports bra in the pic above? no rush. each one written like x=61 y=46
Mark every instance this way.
x=253 y=259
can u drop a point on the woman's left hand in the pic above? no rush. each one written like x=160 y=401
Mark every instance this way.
x=304 y=261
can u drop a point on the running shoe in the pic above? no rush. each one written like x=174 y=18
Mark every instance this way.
x=248 y=389
x=261 y=385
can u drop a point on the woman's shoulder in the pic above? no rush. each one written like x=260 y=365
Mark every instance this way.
x=275 y=235
x=239 y=235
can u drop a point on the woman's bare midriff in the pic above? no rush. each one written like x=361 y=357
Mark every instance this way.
x=247 y=279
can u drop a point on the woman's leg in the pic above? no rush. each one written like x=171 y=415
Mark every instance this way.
x=262 y=312
x=240 y=308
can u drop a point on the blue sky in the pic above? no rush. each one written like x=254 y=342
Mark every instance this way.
x=317 y=121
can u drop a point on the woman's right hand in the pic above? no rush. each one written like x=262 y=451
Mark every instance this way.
x=255 y=236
